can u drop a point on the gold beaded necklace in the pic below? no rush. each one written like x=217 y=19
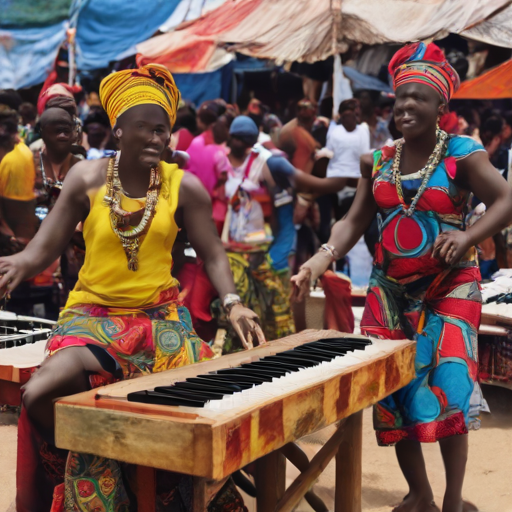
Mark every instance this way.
x=131 y=238
x=433 y=161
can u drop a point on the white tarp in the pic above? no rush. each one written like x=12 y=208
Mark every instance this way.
x=312 y=30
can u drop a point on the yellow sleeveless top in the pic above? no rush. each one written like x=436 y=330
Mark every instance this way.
x=105 y=279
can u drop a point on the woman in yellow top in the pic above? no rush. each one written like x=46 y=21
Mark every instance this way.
x=17 y=176
x=123 y=317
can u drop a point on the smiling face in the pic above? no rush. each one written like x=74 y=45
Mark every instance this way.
x=416 y=110
x=146 y=131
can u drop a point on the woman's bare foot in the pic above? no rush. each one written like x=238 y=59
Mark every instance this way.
x=413 y=503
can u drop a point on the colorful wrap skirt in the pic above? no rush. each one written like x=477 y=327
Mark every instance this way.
x=442 y=313
x=141 y=341
x=264 y=290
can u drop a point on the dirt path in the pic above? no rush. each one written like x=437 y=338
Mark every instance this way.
x=487 y=482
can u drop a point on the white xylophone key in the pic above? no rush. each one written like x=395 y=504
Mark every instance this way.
x=293 y=381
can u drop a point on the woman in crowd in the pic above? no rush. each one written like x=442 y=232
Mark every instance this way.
x=123 y=318
x=208 y=158
x=425 y=280
x=263 y=278
x=59 y=131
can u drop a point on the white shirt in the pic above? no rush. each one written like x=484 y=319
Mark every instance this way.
x=347 y=148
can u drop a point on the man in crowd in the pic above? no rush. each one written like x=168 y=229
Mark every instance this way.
x=97 y=128
x=379 y=132
x=17 y=177
x=296 y=140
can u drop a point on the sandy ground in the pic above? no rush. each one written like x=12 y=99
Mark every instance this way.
x=488 y=479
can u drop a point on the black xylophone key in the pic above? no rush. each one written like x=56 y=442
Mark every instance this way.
x=350 y=346
x=295 y=358
x=152 y=397
x=275 y=372
x=318 y=351
x=339 y=350
x=239 y=379
x=225 y=379
x=222 y=386
x=292 y=367
x=287 y=368
x=192 y=394
x=265 y=376
x=313 y=357
x=354 y=341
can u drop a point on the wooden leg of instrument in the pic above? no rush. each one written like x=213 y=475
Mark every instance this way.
x=348 y=466
x=306 y=479
x=299 y=459
x=146 y=489
x=270 y=478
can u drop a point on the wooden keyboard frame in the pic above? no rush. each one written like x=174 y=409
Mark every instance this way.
x=103 y=423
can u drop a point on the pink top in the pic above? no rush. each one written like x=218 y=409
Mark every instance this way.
x=207 y=160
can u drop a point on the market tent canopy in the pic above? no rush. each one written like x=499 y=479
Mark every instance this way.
x=302 y=30
x=31 y=32
x=492 y=85
x=495 y=30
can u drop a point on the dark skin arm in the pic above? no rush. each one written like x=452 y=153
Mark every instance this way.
x=195 y=216
x=20 y=217
x=307 y=183
x=54 y=235
x=345 y=233
x=476 y=174
x=313 y=185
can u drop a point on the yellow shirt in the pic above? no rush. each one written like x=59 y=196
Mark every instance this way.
x=18 y=174
x=104 y=278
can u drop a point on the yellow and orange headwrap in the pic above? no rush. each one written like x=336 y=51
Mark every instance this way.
x=151 y=84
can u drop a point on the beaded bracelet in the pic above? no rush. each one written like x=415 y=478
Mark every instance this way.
x=331 y=250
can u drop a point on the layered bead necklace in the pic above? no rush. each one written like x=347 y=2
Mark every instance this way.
x=130 y=238
x=433 y=161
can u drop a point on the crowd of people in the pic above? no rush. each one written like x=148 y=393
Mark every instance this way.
x=285 y=218
x=137 y=218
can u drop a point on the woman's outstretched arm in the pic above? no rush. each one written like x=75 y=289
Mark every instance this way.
x=345 y=233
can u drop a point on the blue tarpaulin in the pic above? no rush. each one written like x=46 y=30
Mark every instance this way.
x=199 y=87
x=27 y=54
x=107 y=29
x=361 y=81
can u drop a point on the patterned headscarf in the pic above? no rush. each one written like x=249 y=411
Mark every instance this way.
x=426 y=64
x=150 y=84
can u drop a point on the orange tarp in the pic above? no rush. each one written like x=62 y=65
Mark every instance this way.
x=493 y=85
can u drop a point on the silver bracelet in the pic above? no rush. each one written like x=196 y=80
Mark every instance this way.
x=230 y=299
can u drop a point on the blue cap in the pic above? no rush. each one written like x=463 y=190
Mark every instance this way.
x=244 y=127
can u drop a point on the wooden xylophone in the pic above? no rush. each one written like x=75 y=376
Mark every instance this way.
x=330 y=377
x=22 y=344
